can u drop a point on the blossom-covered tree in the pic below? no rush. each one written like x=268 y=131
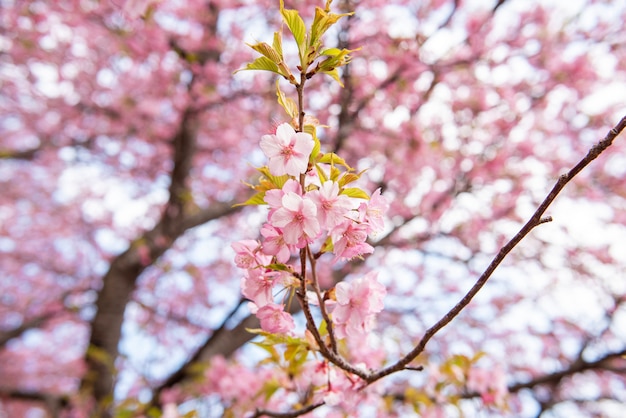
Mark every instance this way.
x=127 y=262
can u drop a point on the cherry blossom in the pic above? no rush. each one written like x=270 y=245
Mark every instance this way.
x=248 y=255
x=297 y=218
x=349 y=240
x=274 y=243
x=373 y=211
x=288 y=151
x=357 y=304
x=274 y=319
x=491 y=384
x=257 y=286
x=331 y=206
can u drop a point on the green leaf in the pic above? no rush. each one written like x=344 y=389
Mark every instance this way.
x=310 y=129
x=291 y=351
x=261 y=63
x=355 y=192
x=286 y=103
x=267 y=51
x=336 y=58
x=278 y=44
x=278 y=181
x=323 y=328
x=478 y=356
x=100 y=355
x=257 y=199
x=198 y=368
x=348 y=178
x=296 y=26
x=279 y=267
x=153 y=412
x=321 y=174
x=273 y=339
x=332 y=158
x=269 y=388
x=328 y=246
x=335 y=75
x=322 y=21
x=271 y=350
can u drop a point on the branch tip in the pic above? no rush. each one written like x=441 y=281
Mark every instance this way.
x=544 y=220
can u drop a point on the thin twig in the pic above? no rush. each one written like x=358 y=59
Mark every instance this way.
x=535 y=220
x=320 y=299
x=261 y=412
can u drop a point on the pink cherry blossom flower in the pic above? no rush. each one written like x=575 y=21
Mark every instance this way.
x=274 y=243
x=349 y=240
x=257 y=286
x=248 y=255
x=288 y=151
x=136 y=8
x=331 y=206
x=274 y=197
x=170 y=411
x=372 y=212
x=297 y=218
x=274 y=319
x=490 y=383
x=357 y=304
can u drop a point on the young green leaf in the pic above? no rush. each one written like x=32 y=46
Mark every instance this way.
x=355 y=192
x=268 y=51
x=336 y=58
x=310 y=129
x=322 y=21
x=257 y=199
x=332 y=158
x=286 y=103
x=279 y=267
x=278 y=181
x=321 y=173
x=278 y=44
x=348 y=178
x=335 y=75
x=296 y=26
x=261 y=63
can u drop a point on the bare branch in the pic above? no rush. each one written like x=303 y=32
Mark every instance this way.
x=7 y=336
x=119 y=281
x=497 y=6
x=292 y=414
x=27 y=154
x=535 y=220
x=54 y=403
x=578 y=366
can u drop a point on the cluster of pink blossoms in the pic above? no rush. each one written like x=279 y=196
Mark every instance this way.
x=308 y=211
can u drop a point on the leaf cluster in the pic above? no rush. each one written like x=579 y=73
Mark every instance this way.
x=310 y=47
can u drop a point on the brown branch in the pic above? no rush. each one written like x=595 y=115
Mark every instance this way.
x=54 y=403
x=263 y=413
x=455 y=7
x=119 y=281
x=7 y=336
x=578 y=366
x=202 y=353
x=27 y=154
x=535 y=220
x=41 y=319
x=497 y=6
